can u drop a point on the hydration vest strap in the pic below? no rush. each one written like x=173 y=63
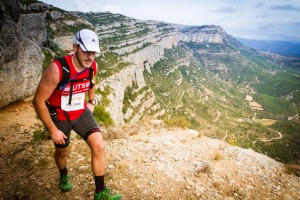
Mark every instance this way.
x=71 y=93
x=65 y=72
x=91 y=77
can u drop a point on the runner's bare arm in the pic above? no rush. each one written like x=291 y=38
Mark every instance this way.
x=91 y=93
x=47 y=85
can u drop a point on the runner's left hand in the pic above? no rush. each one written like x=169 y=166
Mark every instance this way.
x=91 y=107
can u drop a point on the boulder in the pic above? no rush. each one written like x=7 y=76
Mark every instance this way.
x=21 y=58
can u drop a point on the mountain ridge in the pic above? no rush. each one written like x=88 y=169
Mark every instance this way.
x=286 y=48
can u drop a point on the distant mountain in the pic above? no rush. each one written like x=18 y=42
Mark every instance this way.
x=282 y=47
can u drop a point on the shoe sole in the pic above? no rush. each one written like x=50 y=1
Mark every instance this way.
x=66 y=190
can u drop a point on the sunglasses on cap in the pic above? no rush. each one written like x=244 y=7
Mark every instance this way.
x=81 y=42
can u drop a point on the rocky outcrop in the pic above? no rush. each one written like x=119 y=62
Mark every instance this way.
x=36 y=17
x=35 y=26
x=20 y=58
x=142 y=105
x=33 y=20
x=119 y=82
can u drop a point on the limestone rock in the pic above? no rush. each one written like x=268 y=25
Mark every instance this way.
x=35 y=26
x=20 y=60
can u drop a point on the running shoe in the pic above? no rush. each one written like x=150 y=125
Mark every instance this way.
x=65 y=183
x=107 y=194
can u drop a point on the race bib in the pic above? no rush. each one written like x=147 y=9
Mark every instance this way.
x=77 y=102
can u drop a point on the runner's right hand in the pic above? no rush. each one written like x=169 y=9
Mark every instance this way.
x=58 y=137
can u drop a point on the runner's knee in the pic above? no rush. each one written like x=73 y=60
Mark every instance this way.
x=96 y=143
x=61 y=152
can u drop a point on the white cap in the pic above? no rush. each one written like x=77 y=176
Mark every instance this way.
x=88 y=40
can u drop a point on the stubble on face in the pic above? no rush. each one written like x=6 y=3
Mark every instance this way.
x=85 y=59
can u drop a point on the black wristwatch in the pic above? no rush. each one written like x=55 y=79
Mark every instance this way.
x=92 y=101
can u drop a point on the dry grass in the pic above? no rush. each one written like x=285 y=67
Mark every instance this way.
x=293 y=169
x=218 y=156
x=206 y=168
x=114 y=133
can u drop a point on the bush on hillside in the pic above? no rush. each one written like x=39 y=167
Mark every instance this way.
x=102 y=116
x=177 y=121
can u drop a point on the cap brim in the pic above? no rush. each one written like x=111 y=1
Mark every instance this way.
x=89 y=47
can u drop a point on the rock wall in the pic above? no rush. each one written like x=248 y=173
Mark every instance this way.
x=153 y=53
x=35 y=27
x=204 y=34
x=20 y=57
x=118 y=84
x=144 y=59
x=64 y=42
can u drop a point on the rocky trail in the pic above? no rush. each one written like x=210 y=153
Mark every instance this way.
x=144 y=161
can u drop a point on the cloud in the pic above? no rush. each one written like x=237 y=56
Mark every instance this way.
x=285 y=7
x=111 y=8
x=228 y=9
x=262 y=15
x=265 y=27
x=259 y=5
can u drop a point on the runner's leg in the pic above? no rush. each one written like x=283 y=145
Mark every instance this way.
x=60 y=156
x=96 y=144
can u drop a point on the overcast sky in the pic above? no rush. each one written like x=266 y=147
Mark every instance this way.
x=251 y=19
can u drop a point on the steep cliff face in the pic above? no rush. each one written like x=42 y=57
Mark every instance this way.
x=143 y=52
x=118 y=84
x=203 y=34
x=20 y=57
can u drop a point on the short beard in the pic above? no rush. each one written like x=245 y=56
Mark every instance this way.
x=79 y=61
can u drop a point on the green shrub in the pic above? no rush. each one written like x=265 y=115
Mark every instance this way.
x=102 y=116
x=129 y=97
x=104 y=99
x=48 y=59
x=41 y=134
x=177 y=121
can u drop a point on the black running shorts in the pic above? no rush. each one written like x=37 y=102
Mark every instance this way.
x=84 y=126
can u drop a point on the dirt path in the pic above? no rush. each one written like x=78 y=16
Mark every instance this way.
x=218 y=116
x=267 y=122
x=274 y=138
x=144 y=162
